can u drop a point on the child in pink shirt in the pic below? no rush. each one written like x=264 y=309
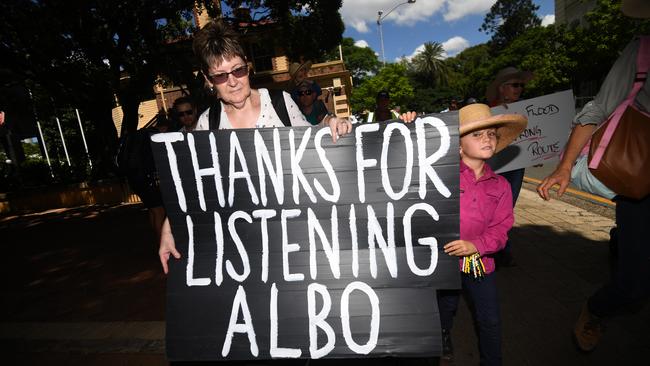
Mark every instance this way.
x=486 y=215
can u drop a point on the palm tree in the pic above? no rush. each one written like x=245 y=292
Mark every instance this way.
x=430 y=63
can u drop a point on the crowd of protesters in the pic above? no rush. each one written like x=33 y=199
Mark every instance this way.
x=484 y=223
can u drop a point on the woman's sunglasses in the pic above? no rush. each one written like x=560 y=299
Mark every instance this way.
x=185 y=113
x=516 y=85
x=222 y=77
x=304 y=92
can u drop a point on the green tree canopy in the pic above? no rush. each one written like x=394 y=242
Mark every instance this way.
x=361 y=61
x=541 y=50
x=83 y=53
x=509 y=18
x=468 y=71
x=596 y=46
x=309 y=28
x=559 y=56
x=392 y=78
x=78 y=52
x=430 y=64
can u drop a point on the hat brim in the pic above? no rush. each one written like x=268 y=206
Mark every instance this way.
x=509 y=127
x=305 y=65
x=493 y=89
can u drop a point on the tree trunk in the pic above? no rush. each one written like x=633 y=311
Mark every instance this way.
x=102 y=144
x=130 y=103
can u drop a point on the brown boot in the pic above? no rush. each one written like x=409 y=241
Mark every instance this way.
x=588 y=330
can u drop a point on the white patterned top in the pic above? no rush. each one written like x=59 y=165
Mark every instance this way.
x=266 y=118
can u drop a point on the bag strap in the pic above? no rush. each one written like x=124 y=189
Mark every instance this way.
x=214 y=115
x=642 y=66
x=277 y=100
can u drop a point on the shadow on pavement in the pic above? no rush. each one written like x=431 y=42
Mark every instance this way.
x=93 y=263
x=99 y=264
x=541 y=298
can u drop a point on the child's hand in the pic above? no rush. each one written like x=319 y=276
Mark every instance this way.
x=460 y=248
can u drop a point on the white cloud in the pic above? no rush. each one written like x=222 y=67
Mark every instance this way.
x=457 y=9
x=361 y=43
x=454 y=45
x=417 y=50
x=362 y=14
x=359 y=25
x=548 y=20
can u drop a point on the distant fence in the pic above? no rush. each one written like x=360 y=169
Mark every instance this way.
x=112 y=191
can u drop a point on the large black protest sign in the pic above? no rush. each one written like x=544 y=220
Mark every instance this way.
x=294 y=247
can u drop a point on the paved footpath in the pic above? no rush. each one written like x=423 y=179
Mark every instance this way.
x=83 y=286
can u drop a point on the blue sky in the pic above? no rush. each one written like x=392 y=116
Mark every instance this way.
x=453 y=23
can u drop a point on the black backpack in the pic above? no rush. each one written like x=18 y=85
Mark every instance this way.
x=135 y=158
x=277 y=100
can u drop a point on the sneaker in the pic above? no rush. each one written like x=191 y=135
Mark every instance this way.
x=447 y=347
x=588 y=330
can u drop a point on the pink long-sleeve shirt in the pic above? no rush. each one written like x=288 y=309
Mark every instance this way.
x=486 y=213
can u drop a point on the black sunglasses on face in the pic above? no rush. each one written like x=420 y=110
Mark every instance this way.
x=185 y=113
x=304 y=92
x=516 y=85
x=222 y=77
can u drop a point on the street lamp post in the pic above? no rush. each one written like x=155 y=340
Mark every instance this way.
x=381 y=16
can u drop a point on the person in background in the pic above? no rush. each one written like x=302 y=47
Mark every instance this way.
x=184 y=112
x=142 y=175
x=486 y=216
x=507 y=88
x=630 y=280
x=298 y=72
x=383 y=112
x=471 y=100
x=313 y=108
x=453 y=106
x=223 y=64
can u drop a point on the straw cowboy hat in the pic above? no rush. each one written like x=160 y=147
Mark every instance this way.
x=294 y=67
x=636 y=8
x=504 y=75
x=478 y=117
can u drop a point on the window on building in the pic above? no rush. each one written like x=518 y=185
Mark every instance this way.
x=262 y=53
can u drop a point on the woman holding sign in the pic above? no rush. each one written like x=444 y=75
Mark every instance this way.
x=225 y=69
x=224 y=66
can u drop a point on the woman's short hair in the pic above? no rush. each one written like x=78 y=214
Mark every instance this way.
x=215 y=42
